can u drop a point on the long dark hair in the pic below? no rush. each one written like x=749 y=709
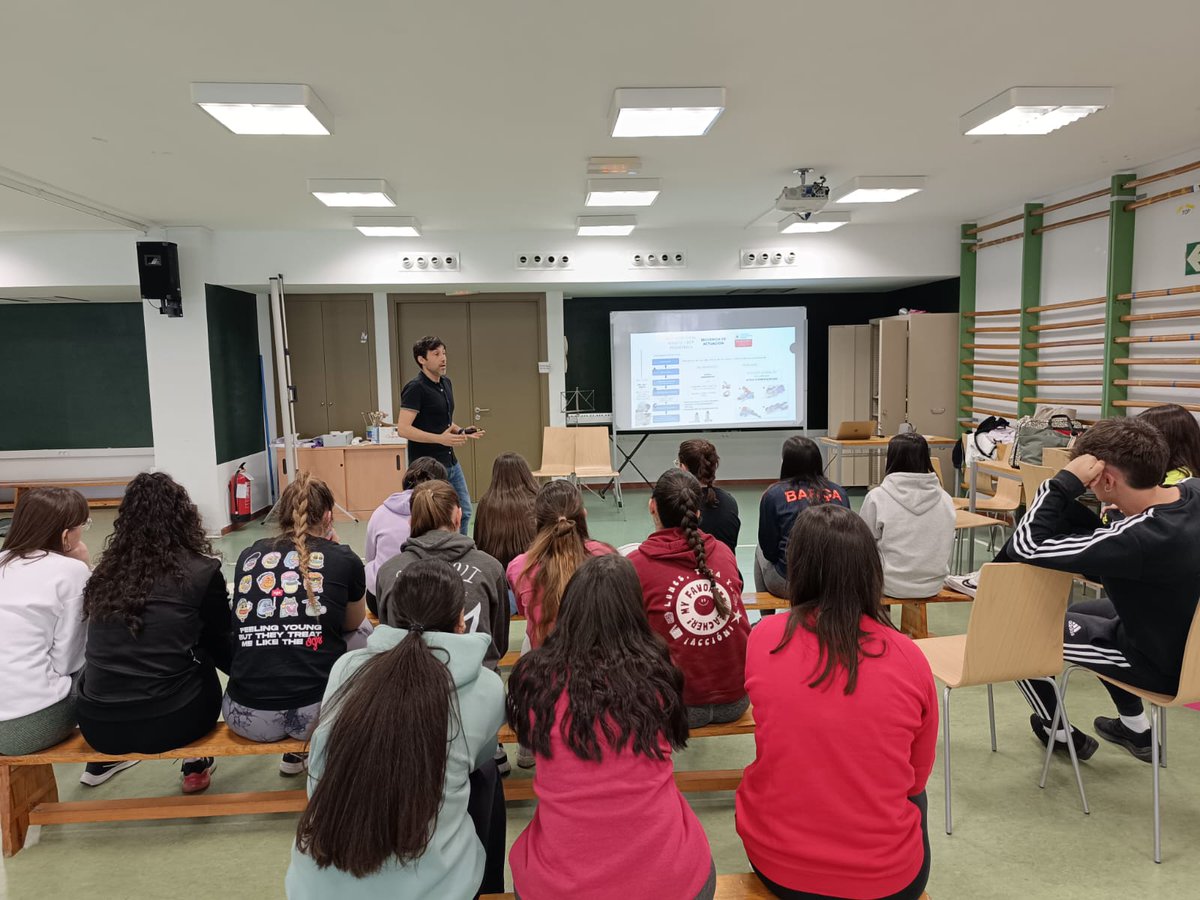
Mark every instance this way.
x=677 y=499
x=908 y=453
x=504 y=526
x=385 y=753
x=156 y=528
x=39 y=520
x=302 y=508
x=433 y=504
x=700 y=458
x=802 y=464
x=424 y=469
x=835 y=578
x=1182 y=432
x=615 y=670
x=557 y=550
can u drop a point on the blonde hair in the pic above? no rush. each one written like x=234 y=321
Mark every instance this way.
x=433 y=505
x=302 y=507
x=558 y=549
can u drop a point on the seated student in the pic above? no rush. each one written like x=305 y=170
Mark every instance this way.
x=298 y=605
x=834 y=804
x=43 y=568
x=610 y=821
x=692 y=593
x=158 y=629
x=406 y=720
x=389 y=526
x=1147 y=562
x=802 y=483
x=504 y=517
x=1182 y=432
x=912 y=520
x=719 y=511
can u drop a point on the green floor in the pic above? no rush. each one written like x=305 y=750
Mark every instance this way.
x=1011 y=839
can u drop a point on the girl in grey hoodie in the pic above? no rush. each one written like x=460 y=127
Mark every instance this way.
x=912 y=520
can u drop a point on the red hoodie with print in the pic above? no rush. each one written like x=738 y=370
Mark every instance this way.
x=708 y=647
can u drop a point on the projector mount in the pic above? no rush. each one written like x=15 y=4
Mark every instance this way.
x=804 y=199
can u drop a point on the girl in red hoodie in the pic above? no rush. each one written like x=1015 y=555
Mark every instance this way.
x=846 y=710
x=693 y=597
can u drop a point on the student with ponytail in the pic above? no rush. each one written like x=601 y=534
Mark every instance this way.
x=601 y=705
x=405 y=721
x=718 y=508
x=298 y=605
x=693 y=597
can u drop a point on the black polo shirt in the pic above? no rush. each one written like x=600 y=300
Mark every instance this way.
x=433 y=402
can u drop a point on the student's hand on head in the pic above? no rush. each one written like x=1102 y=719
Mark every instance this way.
x=1086 y=468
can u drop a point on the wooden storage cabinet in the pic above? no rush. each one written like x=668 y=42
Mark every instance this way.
x=850 y=390
x=360 y=476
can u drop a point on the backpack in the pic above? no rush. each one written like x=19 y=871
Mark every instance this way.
x=1048 y=427
x=982 y=446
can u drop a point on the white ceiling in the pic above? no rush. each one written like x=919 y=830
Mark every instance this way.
x=482 y=115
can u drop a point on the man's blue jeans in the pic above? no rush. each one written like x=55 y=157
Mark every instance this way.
x=454 y=474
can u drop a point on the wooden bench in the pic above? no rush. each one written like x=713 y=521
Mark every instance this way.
x=742 y=886
x=17 y=486
x=29 y=793
x=914 y=620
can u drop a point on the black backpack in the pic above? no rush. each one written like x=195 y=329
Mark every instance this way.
x=989 y=424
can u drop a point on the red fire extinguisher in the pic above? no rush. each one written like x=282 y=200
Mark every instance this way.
x=239 y=495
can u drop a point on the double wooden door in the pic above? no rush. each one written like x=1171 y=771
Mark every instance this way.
x=492 y=351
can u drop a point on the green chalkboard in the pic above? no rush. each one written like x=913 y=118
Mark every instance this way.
x=74 y=376
x=236 y=376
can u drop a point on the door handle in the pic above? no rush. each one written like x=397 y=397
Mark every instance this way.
x=479 y=412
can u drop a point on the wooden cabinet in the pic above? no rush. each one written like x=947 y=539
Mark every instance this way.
x=850 y=390
x=360 y=476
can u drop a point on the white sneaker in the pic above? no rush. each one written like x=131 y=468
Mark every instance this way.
x=98 y=773
x=965 y=584
x=293 y=764
x=525 y=758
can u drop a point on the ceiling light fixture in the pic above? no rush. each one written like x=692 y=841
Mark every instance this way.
x=614 y=165
x=621 y=191
x=604 y=226
x=813 y=223
x=351 y=191
x=264 y=108
x=665 y=112
x=1034 y=110
x=877 y=189
x=388 y=226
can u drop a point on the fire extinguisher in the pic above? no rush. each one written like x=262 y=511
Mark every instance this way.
x=239 y=495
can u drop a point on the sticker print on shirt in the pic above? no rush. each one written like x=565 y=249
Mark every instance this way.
x=271 y=560
x=697 y=621
x=289 y=609
x=292 y=560
x=315 y=608
x=243 y=609
x=244 y=584
x=290 y=581
x=251 y=562
x=317 y=580
x=266 y=581
x=266 y=607
x=316 y=560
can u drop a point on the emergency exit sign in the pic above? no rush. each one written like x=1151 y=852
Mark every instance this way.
x=1192 y=259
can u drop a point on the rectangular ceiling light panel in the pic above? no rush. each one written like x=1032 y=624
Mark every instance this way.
x=877 y=189
x=264 y=108
x=814 y=224
x=351 y=191
x=621 y=191
x=1034 y=110
x=388 y=226
x=605 y=226
x=665 y=112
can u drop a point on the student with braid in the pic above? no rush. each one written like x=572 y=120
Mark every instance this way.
x=406 y=720
x=298 y=604
x=693 y=597
x=719 y=510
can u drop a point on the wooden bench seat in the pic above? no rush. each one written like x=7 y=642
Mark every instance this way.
x=740 y=886
x=18 y=486
x=914 y=620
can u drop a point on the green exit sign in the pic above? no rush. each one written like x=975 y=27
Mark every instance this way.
x=1192 y=259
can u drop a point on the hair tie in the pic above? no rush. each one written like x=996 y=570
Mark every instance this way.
x=416 y=628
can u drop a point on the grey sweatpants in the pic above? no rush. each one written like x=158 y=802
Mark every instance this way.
x=39 y=730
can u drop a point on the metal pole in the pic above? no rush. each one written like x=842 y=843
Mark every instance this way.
x=283 y=366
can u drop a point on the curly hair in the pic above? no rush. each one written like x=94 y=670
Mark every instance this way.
x=156 y=528
x=616 y=672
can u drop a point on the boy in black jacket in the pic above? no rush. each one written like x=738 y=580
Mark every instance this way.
x=1148 y=563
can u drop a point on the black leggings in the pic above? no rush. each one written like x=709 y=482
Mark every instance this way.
x=157 y=734
x=912 y=892
x=489 y=815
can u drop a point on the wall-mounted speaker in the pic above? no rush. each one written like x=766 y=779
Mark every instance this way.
x=158 y=275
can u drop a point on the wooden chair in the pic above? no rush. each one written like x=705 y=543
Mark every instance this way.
x=1032 y=478
x=1187 y=692
x=558 y=453
x=593 y=460
x=1056 y=458
x=1014 y=633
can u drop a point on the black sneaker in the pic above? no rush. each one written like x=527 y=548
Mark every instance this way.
x=503 y=766
x=98 y=773
x=293 y=764
x=1117 y=732
x=1085 y=744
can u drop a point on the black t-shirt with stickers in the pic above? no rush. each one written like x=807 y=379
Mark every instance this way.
x=285 y=645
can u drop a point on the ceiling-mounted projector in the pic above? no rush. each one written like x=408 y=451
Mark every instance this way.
x=804 y=197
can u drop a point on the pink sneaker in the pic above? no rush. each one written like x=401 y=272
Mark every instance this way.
x=197 y=774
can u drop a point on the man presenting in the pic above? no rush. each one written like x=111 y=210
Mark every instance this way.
x=426 y=418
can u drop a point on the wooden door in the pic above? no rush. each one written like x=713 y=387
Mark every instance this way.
x=349 y=362
x=506 y=385
x=306 y=351
x=892 y=387
x=932 y=372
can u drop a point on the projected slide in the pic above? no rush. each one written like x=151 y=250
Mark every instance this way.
x=708 y=378
x=709 y=368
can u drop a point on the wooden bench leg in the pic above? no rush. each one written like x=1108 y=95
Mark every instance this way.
x=21 y=789
x=914 y=620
